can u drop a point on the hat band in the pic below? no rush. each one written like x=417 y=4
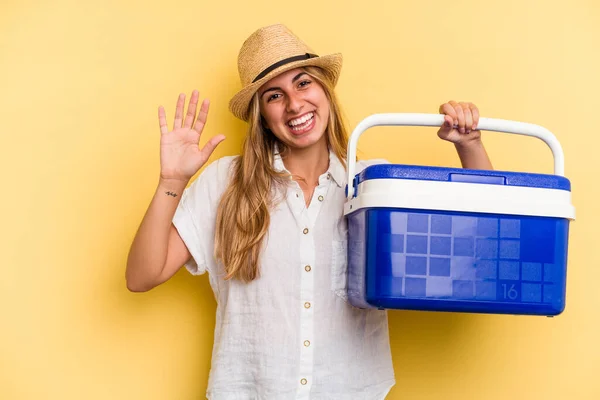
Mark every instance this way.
x=283 y=62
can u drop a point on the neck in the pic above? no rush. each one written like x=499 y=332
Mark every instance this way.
x=306 y=165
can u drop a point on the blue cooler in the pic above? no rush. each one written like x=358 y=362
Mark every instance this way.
x=448 y=239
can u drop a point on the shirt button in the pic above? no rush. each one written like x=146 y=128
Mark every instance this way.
x=303 y=381
x=320 y=198
x=305 y=231
x=307 y=268
x=328 y=176
x=307 y=305
x=306 y=343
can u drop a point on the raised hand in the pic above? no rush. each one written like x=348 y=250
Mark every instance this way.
x=180 y=156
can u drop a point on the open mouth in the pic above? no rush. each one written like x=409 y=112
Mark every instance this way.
x=302 y=124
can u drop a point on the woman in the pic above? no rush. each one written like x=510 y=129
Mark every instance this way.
x=268 y=228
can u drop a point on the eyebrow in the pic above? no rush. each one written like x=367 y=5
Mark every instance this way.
x=278 y=88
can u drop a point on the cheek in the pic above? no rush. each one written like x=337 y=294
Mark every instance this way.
x=320 y=99
x=268 y=118
x=324 y=109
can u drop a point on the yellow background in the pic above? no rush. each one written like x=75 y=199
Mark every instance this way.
x=80 y=84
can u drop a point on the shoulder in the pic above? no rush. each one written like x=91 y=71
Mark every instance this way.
x=218 y=170
x=213 y=179
x=220 y=166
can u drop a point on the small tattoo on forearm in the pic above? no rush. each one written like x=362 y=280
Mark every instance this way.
x=171 y=194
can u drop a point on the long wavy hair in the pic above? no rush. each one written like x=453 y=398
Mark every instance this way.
x=243 y=215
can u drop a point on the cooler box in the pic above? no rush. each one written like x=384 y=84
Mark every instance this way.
x=447 y=239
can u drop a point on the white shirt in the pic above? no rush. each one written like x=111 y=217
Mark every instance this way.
x=290 y=334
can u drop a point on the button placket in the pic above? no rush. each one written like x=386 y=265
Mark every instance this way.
x=307 y=249
x=317 y=201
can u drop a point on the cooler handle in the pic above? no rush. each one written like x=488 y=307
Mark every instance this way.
x=485 y=124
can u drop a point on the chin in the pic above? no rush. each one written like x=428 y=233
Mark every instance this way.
x=306 y=141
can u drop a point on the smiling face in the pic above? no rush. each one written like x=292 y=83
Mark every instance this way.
x=295 y=108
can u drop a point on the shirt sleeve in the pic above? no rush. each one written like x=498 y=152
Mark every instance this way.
x=195 y=216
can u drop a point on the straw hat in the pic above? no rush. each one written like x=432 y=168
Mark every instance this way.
x=267 y=53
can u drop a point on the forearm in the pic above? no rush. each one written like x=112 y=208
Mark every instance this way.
x=148 y=252
x=473 y=155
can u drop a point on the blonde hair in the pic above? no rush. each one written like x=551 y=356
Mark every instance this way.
x=243 y=215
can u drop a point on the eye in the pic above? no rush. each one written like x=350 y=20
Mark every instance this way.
x=272 y=97
x=304 y=83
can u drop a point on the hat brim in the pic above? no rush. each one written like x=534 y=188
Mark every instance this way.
x=331 y=63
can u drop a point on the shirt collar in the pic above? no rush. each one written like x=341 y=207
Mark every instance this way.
x=336 y=169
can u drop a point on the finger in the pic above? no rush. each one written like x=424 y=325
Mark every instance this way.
x=210 y=146
x=191 y=112
x=202 y=116
x=448 y=110
x=162 y=121
x=468 y=117
x=179 y=111
x=448 y=121
x=475 y=112
x=454 y=105
x=461 y=117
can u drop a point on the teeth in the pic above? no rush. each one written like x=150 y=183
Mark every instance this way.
x=302 y=126
x=301 y=120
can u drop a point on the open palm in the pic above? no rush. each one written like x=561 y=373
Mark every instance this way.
x=180 y=156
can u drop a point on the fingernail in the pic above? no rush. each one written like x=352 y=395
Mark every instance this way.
x=462 y=130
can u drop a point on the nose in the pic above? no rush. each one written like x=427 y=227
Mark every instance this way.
x=294 y=104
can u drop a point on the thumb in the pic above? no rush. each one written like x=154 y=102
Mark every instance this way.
x=211 y=146
x=446 y=127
